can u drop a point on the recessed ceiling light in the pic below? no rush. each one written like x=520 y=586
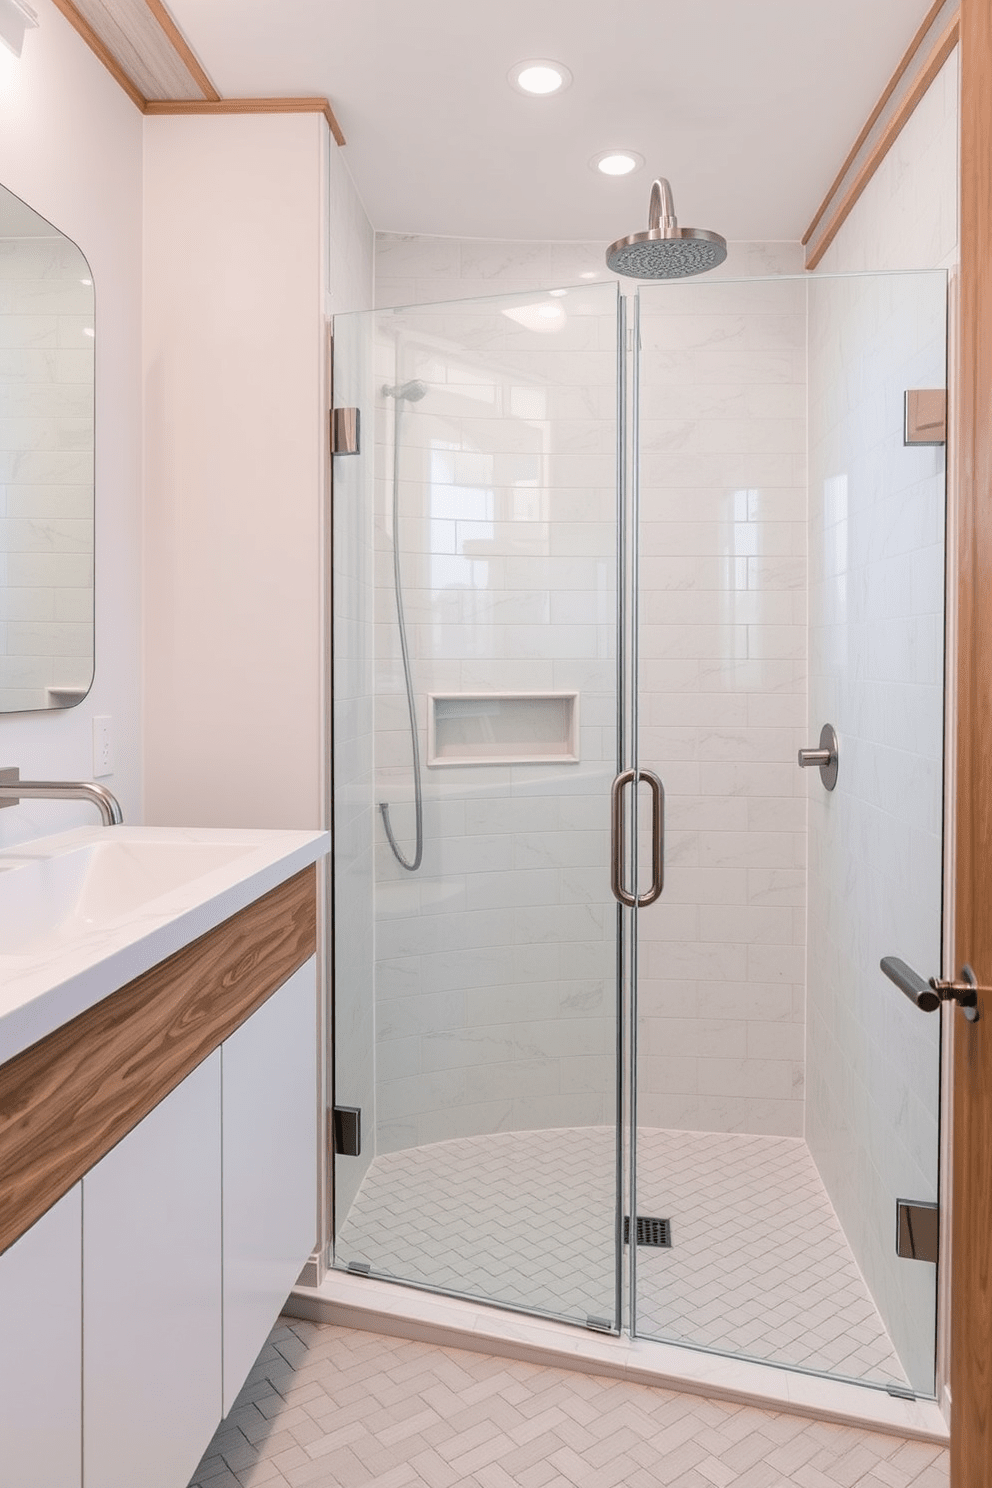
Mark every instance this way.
x=617 y=162
x=539 y=77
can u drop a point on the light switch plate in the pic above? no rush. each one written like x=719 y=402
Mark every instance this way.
x=103 y=747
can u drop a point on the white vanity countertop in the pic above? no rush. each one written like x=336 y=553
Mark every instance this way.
x=51 y=977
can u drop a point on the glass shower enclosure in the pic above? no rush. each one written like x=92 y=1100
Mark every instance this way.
x=606 y=985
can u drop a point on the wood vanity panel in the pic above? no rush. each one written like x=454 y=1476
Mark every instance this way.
x=70 y=1098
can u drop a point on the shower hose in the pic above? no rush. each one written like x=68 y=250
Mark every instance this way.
x=411 y=865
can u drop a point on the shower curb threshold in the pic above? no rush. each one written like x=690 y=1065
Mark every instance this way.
x=451 y=1322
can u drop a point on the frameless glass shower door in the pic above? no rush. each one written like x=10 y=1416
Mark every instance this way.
x=476 y=937
x=523 y=615
x=792 y=576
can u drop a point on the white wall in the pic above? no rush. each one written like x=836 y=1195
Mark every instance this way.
x=877 y=657
x=86 y=179
x=234 y=460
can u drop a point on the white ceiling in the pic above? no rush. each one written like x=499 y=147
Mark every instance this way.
x=748 y=106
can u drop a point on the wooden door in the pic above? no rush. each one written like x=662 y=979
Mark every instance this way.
x=971 y=1337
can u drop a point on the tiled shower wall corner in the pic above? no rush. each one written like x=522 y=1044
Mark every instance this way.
x=722 y=709
x=722 y=700
x=877 y=660
x=876 y=617
x=46 y=470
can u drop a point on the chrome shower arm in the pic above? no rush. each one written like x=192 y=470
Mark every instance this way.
x=661 y=208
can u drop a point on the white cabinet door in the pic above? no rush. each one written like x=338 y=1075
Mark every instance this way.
x=152 y=1293
x=41 y=1391
x=270 y=1166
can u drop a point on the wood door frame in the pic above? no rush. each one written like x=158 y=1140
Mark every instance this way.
x=971 y=1252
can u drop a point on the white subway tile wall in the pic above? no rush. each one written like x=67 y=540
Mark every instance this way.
x=46 y=471
x=495 y=963
x=877 y=648
x=722 y=689
x=722 y=701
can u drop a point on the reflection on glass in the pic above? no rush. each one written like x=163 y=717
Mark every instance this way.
x=46 y=464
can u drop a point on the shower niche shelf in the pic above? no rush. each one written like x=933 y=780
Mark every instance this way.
x=502 y=728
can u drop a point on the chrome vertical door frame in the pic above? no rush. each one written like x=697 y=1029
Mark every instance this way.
x=633 y=683
x=621 y=705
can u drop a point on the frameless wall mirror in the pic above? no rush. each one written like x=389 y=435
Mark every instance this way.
x=46 y=464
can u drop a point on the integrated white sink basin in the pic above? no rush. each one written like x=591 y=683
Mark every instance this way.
x=71 y=892
x=83 y=913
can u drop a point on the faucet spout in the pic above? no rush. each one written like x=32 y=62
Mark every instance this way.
x=14 y=790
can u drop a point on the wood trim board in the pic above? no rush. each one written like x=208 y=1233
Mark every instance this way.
x=971 y=1231
x=182 y=47
x=96 y=46
x=875 y=114
x=211 y=103
x=71 y=1097
x=841 y=210
x=315 y=105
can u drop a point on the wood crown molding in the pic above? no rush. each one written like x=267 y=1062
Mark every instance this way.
x=315 y=105
x=930 y=48
x=71 y=1097
x=113 y=30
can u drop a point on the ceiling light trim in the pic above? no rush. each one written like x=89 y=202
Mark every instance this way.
x=599 y=160
x=532 y=64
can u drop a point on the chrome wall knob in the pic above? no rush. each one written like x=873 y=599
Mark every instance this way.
x=824 y=757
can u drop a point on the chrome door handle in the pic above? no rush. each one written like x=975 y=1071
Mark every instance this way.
x=618 y=836
x=928 y=995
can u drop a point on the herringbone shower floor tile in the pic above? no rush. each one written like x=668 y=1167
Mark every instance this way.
x=759 y=1265
x=329 y=1407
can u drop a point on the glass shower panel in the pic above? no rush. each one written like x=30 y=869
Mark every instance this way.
x=791 y=576
x=476 y=957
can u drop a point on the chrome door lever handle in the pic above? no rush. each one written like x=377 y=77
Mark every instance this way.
x=928 y=995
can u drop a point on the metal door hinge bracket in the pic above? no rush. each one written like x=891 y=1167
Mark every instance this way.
x=346 y=1127
x=925 y=420
x=345 y=426
x=917 y=1231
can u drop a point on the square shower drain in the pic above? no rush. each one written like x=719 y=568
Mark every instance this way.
x=650 y=1231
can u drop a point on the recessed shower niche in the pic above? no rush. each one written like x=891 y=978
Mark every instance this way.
x=502 y=729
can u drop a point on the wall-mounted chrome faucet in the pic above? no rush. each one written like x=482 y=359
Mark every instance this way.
x=13 y=790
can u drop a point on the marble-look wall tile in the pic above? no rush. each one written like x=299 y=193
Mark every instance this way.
x=413 y=270
x=506 y=542
x=875 y=843
x=723 y=701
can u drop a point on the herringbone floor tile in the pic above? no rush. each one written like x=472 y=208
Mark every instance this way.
x=759 y=1265
x=336 y=1408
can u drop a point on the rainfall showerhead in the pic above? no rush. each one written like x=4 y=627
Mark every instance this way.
x=410 y=392
x=666 y=251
